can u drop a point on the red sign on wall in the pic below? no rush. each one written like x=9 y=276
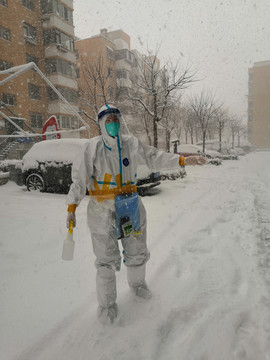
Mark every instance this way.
x=50 y=126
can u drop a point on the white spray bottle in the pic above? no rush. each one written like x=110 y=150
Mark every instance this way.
x=69 y=244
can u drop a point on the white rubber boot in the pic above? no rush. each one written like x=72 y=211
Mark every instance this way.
x=136 y=280
x=106 y=286
x=107 y=315
x=143 y=291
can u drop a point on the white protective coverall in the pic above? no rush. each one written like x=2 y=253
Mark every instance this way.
x=108 y=166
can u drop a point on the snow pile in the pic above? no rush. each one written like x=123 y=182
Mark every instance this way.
x=4 y=175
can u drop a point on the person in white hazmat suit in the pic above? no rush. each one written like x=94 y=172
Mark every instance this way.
x=107 y=168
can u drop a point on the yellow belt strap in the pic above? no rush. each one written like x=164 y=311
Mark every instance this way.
x=102 y=195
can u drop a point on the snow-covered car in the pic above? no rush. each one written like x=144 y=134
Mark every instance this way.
x=213 y=157
x=23 y=138
x=238 y=151
x=215 y=145
x=228 y=155
x=47 y=167
x=146 y=179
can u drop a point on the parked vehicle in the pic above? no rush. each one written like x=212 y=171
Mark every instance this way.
x=47 y=167
x=213 y=157
x=146 y=179
x=226 y=152
x=238 y=151
x=23 y=138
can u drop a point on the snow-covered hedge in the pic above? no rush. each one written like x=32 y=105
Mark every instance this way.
x=172 y=174
x=14 y=169
x=4 y=177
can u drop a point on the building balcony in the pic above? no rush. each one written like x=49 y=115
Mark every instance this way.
x=59 y=107
x=52 y=20
x=56 y=50
x=62 y=80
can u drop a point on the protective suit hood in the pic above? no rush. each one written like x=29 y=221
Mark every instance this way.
x=103 y=113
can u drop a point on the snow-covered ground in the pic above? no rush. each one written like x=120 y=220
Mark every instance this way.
x=209 y=237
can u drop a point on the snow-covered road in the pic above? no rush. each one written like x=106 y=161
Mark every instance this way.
x=209 y=237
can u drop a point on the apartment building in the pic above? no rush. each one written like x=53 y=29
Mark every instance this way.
x=105 y=64
x=109 y=53
x=42 y=32
x=259 y=105
x=97 y=76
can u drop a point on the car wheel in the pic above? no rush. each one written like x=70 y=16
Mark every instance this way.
x=35 y=182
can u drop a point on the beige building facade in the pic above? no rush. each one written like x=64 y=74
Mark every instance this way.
x=42 y=32
x=259 y=105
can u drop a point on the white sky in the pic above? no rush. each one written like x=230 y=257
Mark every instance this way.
x=221 y=38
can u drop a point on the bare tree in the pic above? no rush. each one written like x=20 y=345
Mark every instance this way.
x=234 y=123
x=168 y=123
x=241 y=131
x=146 y=123
x=96 y=85
x=191 y=124
x=204 y=109
x=185 y=123
x=180 y=116
x=153 y=87
x=220 y=119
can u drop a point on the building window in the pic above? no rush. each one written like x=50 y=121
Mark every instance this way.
x=34 y=91
x=56 y=7
x=4 y=33
x=52 y=96
x=250 y=118
x=30 y=32
x=70 y=95
x=4 y=2
x=29 y=4
x=122 y=74
x=9 y=99
x=36 y=120
x=68 y=122
x=110 y=53
x=60 y=66
x=31 y=58
x=64 y=12
x=55 y=36
x=4 y=65
x=124 y=54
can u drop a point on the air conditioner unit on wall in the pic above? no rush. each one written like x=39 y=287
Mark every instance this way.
x=45 y=18
x=61 y=48
x=30 y=39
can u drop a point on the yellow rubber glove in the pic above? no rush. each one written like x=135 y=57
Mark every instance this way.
x=182 y=161
x=71 y=215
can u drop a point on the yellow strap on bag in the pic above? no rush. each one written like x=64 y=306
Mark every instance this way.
x=111 y=193
x=105 y=193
